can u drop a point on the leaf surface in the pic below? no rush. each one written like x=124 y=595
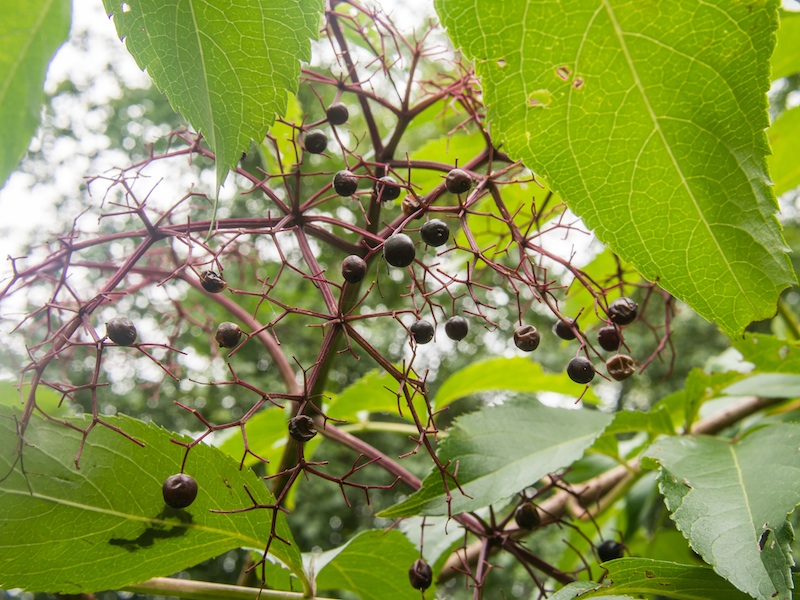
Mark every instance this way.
x=648 y=120
x=786 y=58
x=785 y=142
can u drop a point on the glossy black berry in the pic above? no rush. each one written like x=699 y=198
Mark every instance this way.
x=580 y=369
x=527 y=338
x=179 y=490
x=456 y=328
x=608 y=338
x=212 y=282
x=399 y=250
x=337 y=114
x=435 y=232
x=621 y=366
x=458 y=181
x=345 y=183
x=412 y=206
x=315 y=141
x=387 y=189
x=353 y=268
x=422 y=331
x=121 y=331
x=623 y=311
x=228 y=335
x=563 y=329
x=527 y=516
x=420 y=575
x=302 y=428
x=609 y=550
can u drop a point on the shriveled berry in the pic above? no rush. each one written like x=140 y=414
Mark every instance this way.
x=527 y=338
x=315 y=141
x=121 y=331
x=337 y=114
x=302 y=428
x=411 y=206
x=527 y=516
x=422 y=331
x=179 y=490
x=580 y=369
x=212 y=282
x=353 y=268
x=399 y=250
x=345 y=183
x=228 y=335
x=623 y=311
x=621 y=366
x=420 y=575
x=435 y=232
x=387 y=189
x=458 y=181
x=456 y=328
x=608 y=338
x=563 y=329
x=609 y=550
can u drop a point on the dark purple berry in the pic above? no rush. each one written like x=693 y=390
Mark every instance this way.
x=228 y=335
x=302 y=428
x=315 y=141
x=609 y=550
x=422 y=331
x=399 y=250
x=527 y=516
x=458 y=181
x=121 y=331
x=337 y=114
x=420 y=575
x=563 y=329
x=353 y=268
x=620 y=366
x=387 y=189
x=212 y=282
x=608 y=338
x=527 y=338
x=345 y=183
x=456 y=328
x=435 y=232
x=580 y=369
x=179 y=490
x=623 y=311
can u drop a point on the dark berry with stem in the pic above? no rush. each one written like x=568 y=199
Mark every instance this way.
x=399 y=250
x=527 y=516
x=623 y=311
x=435 y=232
x=621 y=366
x=527 y=338
x=610 y=550
x=580 y=369
x=353 y=268
x=212 y=282
x=563 y=329
x=179 y=490
x=420 y=575
x=608 y=338
x=458 y=181
x=228 y=335
x=121 y=331
x=302 y=428
x=337 y=114
x=315 y=141
x=387 y=189
x=422 y=331
x=456 y=328
x=345 y=183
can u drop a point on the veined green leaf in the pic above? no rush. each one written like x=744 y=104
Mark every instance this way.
x=786 y=58
x=785 y=142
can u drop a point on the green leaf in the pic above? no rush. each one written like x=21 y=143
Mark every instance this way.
x=105 y=525
x=767 y=385
x=375 y=392
x=30 y=34
x=648 y=576
x=506 y=374
x=649 y=121
x=500 y=450
x=576 y=589
x=769 y=353
x=785 y=142
x=656 y=421
x=786 y=58
x=730 y=500
x=373 y=565
x=227 y=71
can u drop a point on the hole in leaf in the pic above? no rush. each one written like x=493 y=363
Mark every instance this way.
x=578 y=83
x=563 y=72
x=539 y=98
x=501 y=63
